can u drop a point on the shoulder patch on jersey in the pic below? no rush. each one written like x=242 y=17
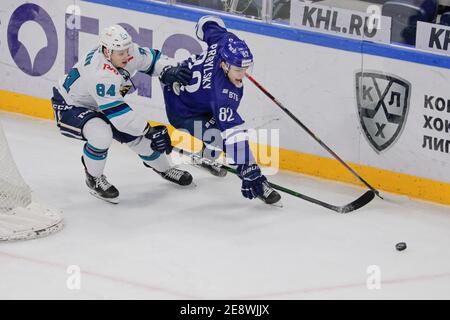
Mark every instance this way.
x=88 y=59
x=142 y=51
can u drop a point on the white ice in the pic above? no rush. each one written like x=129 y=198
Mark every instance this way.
x=208 y=242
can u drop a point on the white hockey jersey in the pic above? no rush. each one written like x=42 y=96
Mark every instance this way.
x=94 y=83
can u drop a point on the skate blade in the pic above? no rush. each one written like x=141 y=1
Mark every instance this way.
x=277 y=204
x=191 y=185
x=110 y=200
x=219 y=174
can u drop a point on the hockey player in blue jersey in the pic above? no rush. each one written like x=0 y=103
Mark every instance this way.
x=210 y=101
x=89 y=105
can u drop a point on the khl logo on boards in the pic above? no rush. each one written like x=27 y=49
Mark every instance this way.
x=383 y=104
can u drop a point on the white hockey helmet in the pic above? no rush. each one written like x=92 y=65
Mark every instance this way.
x=115 y=37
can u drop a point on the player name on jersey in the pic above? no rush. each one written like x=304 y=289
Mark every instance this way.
x=341 y=22
x=433 y=37
x=208 y=67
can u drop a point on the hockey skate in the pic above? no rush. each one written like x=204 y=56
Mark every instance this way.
x=208 y=164
x=100 y=187
x=180 y=177
x=270 y=196
x=215 y=170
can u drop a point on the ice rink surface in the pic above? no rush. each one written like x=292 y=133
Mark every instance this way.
x=207 y=242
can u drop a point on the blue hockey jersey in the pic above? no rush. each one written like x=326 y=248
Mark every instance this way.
x=209 y=91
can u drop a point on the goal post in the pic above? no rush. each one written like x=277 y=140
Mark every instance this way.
x=21 y=215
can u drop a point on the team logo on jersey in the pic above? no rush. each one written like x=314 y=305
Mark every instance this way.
x=383 y=104
x=108 y=67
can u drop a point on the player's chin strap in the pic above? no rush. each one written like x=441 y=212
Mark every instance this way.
x=108 y=54
x=227 y=70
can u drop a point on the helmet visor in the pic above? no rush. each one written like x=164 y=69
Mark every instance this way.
x=247 y=69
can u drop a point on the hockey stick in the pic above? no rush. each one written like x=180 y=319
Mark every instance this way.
x=354 y=205
x=291 y=115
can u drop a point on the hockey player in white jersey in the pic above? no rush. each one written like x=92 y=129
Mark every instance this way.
x=89 y=105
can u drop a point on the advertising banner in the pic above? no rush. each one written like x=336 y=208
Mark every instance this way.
x=380 y=113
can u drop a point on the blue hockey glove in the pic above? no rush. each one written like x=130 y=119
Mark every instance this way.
x=252 y=180
x=181 y=74
x=160 y=139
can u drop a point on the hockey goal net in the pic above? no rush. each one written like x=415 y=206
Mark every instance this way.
x=21 y=216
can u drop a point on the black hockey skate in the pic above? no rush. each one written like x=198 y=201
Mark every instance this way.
x=270 y=196
x=183 y=178
x=214 y=170
x=101 y=188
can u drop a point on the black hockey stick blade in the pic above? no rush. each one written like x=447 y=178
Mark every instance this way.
x=352 y=206
x=356 y=204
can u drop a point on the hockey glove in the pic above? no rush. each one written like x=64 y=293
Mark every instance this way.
x=252 y=180
x=179 y=73
x=160 y=139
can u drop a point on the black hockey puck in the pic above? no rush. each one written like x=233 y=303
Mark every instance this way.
x=400 y=246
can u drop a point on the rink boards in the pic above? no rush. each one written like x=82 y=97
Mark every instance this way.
x=382 y=108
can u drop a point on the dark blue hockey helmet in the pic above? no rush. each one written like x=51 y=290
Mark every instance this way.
x=237 y=53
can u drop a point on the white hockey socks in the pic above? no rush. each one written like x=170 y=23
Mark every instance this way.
x=99 y=137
